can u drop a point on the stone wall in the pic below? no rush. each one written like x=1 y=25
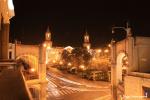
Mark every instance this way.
x=134 y=86
x=22 y=49
x=142 y=50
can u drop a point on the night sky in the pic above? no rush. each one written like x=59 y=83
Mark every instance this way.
x=68 y=20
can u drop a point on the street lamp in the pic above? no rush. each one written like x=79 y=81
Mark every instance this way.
x=106 y=51
x=54 y=61
x=69 y=64
x=99 y=50
x=32 y=70
x=82 y=67
x=109 y=45
x=127 y=29
x=60 y=62
x=44 y=45
x=115 y=70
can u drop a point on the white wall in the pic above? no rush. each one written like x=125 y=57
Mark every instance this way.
x=142 y=54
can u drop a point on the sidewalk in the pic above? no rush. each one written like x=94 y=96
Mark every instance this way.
x=89 y=83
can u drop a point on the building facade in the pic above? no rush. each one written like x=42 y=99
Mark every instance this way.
x=132 y=56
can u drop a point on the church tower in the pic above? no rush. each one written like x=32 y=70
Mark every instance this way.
x=87 y=43
x=48 y=42
x=48 y=35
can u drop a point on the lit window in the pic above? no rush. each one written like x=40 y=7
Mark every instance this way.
x=48 y=35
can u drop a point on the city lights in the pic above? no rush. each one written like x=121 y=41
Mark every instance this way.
x=106 y=51
x=44 y=45
x=60 y=62
x=38 y=65
x=109 y=45
x=48 y=47
x=54 y=61
x=99 y=50
x=69 y=64
x=82 y=67
x=88 y=47
x=32 y=70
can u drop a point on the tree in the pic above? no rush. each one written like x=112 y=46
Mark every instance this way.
x=77 y=57
x=87 y=56
x=65 y=56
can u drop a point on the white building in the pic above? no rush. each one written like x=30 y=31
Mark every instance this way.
x=11 y=51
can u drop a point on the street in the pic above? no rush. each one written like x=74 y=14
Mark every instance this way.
x=62 y=87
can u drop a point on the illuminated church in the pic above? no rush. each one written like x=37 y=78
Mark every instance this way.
x=54 y=53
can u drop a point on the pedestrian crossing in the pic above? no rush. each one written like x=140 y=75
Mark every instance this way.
x=56 y=88
x=61 y=92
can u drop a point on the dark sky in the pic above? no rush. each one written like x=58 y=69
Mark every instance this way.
x=68 y=20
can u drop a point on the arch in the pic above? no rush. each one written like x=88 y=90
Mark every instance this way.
x=31 y=60
x=119 y=65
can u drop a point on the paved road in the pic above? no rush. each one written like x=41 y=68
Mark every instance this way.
x=60 y=88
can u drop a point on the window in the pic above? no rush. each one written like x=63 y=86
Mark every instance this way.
x=10 y=55
x=146 y=91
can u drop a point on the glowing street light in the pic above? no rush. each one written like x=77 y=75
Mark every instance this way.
x=48 y=47
x=69 y=64
x=82 y=67
x=106 y=51
x=44 y=45
x=54 y=61
x=32 y=70
x=127 y=29
x=60 y=62
x=99 y=50
x=88 y=47
x=109 y=45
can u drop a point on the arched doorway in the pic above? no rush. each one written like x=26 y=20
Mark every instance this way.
x=29 y=66
x=121 y=66
x=30 y=59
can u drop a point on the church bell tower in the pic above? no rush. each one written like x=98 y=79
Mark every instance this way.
x=86 y=43
x=48 y=42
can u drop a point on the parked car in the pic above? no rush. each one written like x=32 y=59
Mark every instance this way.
x=84 y=74
x=72 y=70
x=98 y=75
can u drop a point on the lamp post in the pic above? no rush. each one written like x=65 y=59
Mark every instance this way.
x=114 y=71
x=127 y=29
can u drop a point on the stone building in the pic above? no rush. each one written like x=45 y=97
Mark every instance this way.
x=130 y=68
